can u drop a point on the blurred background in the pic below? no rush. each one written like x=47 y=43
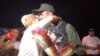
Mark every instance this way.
x=81 y=14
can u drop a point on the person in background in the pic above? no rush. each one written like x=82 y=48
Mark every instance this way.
x=17 y=39
x=64 y=31
x=10 y=38
x=91 y=43
x=2 y=37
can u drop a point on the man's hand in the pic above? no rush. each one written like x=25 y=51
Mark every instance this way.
x=55 y=18
x=89 y=47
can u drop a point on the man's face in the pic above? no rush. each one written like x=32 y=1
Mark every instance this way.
x=91 y=33
x=44 y=14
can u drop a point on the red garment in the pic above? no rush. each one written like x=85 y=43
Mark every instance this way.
x=10 y=35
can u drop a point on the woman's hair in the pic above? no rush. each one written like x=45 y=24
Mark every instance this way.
x=28 y=19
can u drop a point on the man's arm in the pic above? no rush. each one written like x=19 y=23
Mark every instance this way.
x=89 y=47
x=74 y=39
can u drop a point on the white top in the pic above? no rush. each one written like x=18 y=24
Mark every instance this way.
x=93 y=42
x=29 y=45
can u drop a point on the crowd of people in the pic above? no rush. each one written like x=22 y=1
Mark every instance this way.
x=46 y=34
x=9 y=41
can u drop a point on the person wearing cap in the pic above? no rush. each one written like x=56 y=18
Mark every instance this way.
x=91 y=43
x=65 y=32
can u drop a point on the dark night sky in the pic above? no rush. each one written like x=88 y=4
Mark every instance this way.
x=81 y=14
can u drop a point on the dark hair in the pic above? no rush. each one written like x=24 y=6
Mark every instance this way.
x=91 y=30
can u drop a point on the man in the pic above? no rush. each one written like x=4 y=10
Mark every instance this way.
x=65 y=32
x=91 y=44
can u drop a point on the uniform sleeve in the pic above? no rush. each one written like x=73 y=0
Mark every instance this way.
x=74 y=39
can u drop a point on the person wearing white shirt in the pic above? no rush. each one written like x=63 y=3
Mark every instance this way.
x=29 y=45
x=91 y=44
